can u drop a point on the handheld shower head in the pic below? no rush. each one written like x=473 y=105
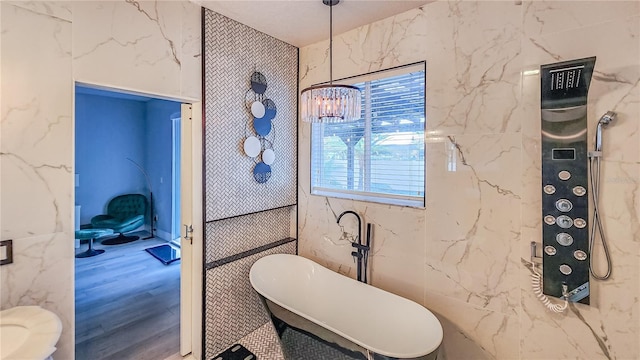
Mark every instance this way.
x=594 y=176
x=604 y=121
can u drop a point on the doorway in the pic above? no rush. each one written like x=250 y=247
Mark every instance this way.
x=128 y=300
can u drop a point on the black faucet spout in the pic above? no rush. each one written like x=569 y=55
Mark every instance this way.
x=359 y=253
x=359 y=222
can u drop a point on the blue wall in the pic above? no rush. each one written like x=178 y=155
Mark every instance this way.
x=159 y=156
x=108 y=131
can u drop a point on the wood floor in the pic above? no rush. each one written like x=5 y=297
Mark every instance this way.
x=127 y=304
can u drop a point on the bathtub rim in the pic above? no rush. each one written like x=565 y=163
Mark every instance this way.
x=340 y=333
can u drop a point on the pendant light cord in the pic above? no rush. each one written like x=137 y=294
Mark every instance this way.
x=331 y=43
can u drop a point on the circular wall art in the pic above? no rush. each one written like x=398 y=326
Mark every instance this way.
x=252 y=146
x=258 y=83
x=262 y=126
x=262 y=172
x=261 y=139
x=257 y=109
x=268 y=156
x=269 y=109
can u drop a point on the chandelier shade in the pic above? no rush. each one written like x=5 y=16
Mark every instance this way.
x=330 y=103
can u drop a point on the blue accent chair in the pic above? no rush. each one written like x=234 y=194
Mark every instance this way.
x=124 y=213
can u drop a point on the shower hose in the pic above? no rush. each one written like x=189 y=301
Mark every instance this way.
x=596 y=225
x=536 y=285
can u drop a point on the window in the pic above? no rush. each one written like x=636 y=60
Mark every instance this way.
x=380 y=157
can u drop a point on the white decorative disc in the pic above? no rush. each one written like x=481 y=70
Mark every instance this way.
x=257 y=109
x=252 y=146
x=268 y=156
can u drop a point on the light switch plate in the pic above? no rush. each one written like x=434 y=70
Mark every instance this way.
x=6 y=254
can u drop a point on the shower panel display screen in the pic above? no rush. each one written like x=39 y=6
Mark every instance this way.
x=563 y=154
x=564 y=88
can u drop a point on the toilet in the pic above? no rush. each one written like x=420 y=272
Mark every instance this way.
x=28 y=332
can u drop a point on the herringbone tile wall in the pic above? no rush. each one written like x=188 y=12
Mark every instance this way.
x=235 y=235
x=232 y=53
x=232 y=308
x=240 y=213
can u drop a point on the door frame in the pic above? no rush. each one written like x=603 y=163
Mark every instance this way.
x=192 y=269
x=192 y=274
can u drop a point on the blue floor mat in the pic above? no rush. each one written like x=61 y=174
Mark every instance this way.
x=165 y=253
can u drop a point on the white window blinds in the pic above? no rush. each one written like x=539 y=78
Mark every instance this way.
x=380 y=157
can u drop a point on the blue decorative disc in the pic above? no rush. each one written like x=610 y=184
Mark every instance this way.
x=262 y=126
x=258 y=83
x=262 y=172
x=269 y=109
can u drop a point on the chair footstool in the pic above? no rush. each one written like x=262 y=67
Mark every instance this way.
x=91 y=234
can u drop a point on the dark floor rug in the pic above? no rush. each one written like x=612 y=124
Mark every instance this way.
x=119 y=240
x=165 y=253
x=235 y=352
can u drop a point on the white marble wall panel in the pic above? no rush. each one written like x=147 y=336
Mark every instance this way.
x=36 y=160
x=547 y=17
x=472 y=52
x=58 y=9
x=608 y=30
x=474 y=333
x=473 y=231
x=396 y=262
x=380 y=45
x=472 y=61
x=126 y=45
x=36 y=137
x=191 y=51
x=42 y=274
x=132 y=45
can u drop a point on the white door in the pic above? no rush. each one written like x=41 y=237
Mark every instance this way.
x=191 y=241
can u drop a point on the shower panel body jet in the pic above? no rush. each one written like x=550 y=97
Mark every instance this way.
x=565 y=212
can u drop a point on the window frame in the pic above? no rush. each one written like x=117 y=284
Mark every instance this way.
x=369 y=196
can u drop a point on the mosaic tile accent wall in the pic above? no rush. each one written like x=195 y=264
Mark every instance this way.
x=238 y=234
x=245 y=220
x=232 y=52
x=232 y=308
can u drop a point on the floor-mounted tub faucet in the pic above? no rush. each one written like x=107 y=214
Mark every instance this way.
x=357 y=217
x=362 y=250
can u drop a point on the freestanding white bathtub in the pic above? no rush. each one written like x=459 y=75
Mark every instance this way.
x=320 y=314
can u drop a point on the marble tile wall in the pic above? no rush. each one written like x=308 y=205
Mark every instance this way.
x=463 y=255
x=37 y=163
x=148 y=47
x=158 y=41
x=556 y=31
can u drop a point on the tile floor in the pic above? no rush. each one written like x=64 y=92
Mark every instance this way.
x=263 y=342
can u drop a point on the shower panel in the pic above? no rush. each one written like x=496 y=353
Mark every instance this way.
x=565 y=212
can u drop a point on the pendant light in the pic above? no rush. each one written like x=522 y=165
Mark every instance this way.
x=330 y=103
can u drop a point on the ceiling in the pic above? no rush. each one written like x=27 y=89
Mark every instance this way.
x=304 y=22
